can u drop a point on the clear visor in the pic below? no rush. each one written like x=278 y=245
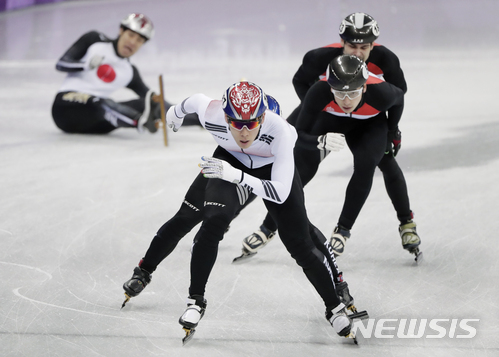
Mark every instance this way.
x=352 y=94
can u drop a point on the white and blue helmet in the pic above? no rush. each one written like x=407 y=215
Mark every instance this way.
x=274 y=105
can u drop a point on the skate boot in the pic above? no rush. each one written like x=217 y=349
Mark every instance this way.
x=196 y=306
x=344 y=294
x=340 y=321
x=410 y=239
x=136 y=283
x=151 y=116
x=255 y=241
x=258 y=239
x=339 y=239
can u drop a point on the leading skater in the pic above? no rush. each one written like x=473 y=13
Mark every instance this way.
x=357 y=31
x=254 y=156
x=97 y=66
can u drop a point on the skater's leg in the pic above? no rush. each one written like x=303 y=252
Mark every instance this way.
x=397 y=190
x=221 y=203
x=137 y=104
x=120 y=115
x=167 y=238
x=187 y=217
x=396 y=187
x=324 y=246
x=294 y=232
x=75 y=112
x=367 y=144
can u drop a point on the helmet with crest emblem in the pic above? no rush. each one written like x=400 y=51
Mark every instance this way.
x=140 y=24
x=244 y=101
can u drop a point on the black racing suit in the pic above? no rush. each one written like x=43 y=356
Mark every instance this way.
x=381 y=62
x=365 y=132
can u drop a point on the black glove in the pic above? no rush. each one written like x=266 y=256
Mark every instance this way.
x=394 y=141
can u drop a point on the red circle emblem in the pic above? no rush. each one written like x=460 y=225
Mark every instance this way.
x=106 y=73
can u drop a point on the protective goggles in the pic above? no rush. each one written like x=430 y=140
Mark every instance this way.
x=240 y=124
x=352 y=94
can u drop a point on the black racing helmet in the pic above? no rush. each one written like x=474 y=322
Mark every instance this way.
x=346 y=72
x=359 y=28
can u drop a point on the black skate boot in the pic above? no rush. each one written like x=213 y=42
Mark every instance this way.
x=339 y=239
x=136 y=283
x=196 y=306
x=151 y=116
x=255 y=241
x=410 y=239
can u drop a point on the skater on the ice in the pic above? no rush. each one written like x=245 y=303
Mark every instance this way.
x=254 y=156
x=355 y=103
x=97 y=66
x=358 y=32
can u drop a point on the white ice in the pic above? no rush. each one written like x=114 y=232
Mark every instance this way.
x=77 y=212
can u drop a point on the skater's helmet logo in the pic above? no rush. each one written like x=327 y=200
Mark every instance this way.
x=106 y=73
x=244 y=101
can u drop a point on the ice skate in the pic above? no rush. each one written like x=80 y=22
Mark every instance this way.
x=151 y=116
x=340 y=321
x=410 y=239
x=254 y=242
x=136 y=284
x=339 y=239
x=196 y=306
x=343 y=322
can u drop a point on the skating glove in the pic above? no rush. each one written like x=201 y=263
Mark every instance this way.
x=394 y=141
x=331 y=142
x=172 y=120
x=216 y=168
x=95 y=62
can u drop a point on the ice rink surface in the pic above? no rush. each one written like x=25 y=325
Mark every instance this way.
x=78 y=211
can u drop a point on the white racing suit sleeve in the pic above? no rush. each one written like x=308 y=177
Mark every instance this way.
x=196 y=103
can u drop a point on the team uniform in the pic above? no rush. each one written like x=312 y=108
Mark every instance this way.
x=357 y=29
x=266 y=168
x=382 y=63
x=94 y=71
x=269 y=172
x=365 y=132
x=82 y=104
